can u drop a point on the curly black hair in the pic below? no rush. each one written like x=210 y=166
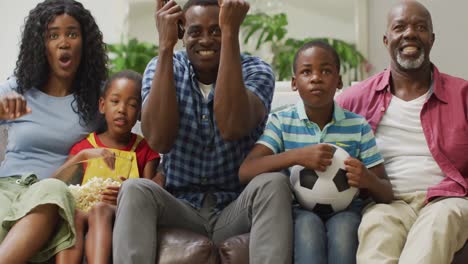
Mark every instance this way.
x=32 y=67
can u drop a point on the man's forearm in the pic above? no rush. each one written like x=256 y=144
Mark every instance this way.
x=160 y=115
x=237 y=110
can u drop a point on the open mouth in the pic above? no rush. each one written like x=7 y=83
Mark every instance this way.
x=120 y=121
x=65 y=60
x=410 y=50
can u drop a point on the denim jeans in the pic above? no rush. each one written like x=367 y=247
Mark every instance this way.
x=326 y=239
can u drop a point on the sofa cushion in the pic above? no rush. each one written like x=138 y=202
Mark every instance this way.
x=178 y=246
x=235 y=250
x=461 y=257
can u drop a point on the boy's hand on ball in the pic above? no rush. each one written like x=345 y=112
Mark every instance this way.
x=317 y=157
x=358 y=175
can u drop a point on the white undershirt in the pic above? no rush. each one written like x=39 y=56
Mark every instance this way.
x=400 y=138
x=205 y=89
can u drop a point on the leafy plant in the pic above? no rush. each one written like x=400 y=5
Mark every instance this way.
x=133 y=55
x=272 y=30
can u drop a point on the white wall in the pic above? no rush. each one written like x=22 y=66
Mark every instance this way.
x=449 y=53
x=307 y=18
x=110 y=15
x=141 y=22
x=116 y=18
x=307 y=21
x=450 y=50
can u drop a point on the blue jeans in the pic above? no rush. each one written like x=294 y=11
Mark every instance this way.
x=326 y=239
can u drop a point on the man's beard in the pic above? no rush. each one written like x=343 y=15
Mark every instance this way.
x=411 y=64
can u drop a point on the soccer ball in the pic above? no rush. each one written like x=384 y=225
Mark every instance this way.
x=324 y=192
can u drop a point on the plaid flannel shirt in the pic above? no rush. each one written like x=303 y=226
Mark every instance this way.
x=200 y=161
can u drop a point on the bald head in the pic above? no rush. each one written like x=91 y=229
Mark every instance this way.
x=409 y=36
x=409 y=7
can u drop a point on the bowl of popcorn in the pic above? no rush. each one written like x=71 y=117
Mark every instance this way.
x=88 y=179
x=88 y=194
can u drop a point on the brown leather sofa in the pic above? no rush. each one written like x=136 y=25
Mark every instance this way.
x=177 y=246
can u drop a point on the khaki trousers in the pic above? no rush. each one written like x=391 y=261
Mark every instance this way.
x=408 y=231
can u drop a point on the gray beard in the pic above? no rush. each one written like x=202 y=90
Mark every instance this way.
x=410 y=64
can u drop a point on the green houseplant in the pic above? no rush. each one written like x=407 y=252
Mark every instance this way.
x=271 y=29
x=133 y=55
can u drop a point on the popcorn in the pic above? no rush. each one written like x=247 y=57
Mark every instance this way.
x=87 y=195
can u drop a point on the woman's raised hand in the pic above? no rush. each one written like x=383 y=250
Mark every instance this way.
x=12 y=106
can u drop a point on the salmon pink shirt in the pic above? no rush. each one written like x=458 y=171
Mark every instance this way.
x=444 y=119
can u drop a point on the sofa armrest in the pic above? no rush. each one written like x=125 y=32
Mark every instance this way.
x=235 y=250
x=178 y=246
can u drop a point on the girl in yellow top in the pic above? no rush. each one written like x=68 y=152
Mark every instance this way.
x=120 y=104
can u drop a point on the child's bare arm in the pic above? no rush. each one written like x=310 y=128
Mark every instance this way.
x=66 y=171
x=159 y=178
x=257 y=161
x=374 y=180
x=150 y=169
x=261 y=159
x=151 y=172
x=111 y=193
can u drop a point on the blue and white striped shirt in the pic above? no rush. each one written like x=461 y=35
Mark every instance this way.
x=200 y=161
x=291 y=128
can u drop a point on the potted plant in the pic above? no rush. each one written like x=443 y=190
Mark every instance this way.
x=133 y=55
x=271 y=29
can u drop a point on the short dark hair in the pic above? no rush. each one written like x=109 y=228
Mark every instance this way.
x=191 y=3
x=125 y=74
x=320 y=44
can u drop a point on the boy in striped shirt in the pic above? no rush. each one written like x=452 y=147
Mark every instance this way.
x=295 y=136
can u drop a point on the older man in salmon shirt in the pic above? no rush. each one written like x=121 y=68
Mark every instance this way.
x=419 y=116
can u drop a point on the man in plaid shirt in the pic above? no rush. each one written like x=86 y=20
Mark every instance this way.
x=204 y=108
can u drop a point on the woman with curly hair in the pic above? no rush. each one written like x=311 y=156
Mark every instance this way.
x=49 y=104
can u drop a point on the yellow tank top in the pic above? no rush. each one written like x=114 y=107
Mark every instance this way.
x=125 y=163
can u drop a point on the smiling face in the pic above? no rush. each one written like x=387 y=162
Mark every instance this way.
x=316 y=78
x=409 y=36
x=121 y=106
x=203 y=40
x=64 y=46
